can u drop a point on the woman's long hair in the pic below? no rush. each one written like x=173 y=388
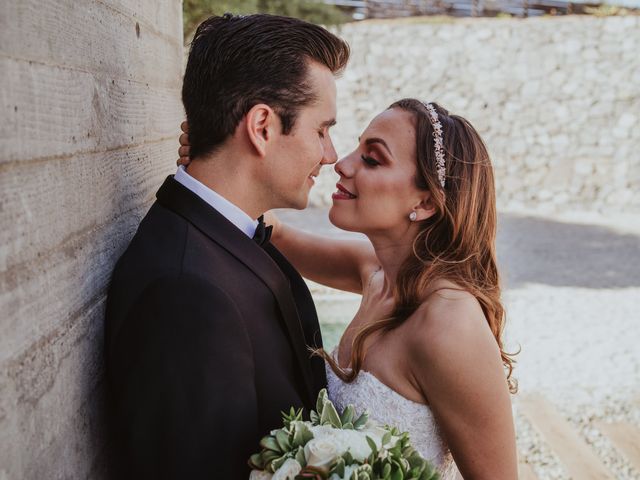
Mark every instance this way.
x=457 y=243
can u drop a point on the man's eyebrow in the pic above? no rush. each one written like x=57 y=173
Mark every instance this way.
x=372 y=140
x=328 y=123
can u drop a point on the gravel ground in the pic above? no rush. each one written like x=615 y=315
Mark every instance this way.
x=572 y=293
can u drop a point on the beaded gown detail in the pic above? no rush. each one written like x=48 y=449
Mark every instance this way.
x=388 y=407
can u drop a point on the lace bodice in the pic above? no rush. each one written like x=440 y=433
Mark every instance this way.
x=388 y=407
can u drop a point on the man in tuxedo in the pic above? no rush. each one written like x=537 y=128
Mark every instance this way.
x=208 y=327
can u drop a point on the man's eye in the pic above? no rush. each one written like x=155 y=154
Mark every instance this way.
x=321 y=133
x=372 y=162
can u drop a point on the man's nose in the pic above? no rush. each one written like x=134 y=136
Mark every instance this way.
x=330 y=156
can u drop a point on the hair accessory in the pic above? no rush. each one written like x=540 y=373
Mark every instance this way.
x=413 y=216
x=441 y=169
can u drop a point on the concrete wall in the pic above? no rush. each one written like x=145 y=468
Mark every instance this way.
x=91 y=109
x=556 y=99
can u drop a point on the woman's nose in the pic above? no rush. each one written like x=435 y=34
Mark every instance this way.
x=345 y=167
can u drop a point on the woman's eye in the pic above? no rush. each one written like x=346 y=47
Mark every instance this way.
x=372 y=162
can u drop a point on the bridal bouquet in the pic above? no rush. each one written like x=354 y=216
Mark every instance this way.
x=335 y=446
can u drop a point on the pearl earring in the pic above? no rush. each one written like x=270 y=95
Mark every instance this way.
x=413 y=216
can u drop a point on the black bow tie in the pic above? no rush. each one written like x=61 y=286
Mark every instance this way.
x=263 y=232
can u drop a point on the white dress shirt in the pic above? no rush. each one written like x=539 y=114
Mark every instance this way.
x=227 y=209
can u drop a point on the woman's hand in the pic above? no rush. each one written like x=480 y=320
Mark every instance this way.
x=270 y=218
x=185 y=146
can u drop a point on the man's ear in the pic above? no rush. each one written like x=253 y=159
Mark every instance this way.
x=424 y=208
x=260 y=127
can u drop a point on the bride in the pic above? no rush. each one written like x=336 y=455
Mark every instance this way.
x=424 y=351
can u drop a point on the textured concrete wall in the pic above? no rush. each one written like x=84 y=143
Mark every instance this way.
x=90 y=111
x=557 y=100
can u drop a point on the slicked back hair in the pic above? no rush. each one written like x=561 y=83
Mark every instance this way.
x=236 y=62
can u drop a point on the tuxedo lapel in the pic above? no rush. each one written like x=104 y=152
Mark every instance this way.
x=210 y=222
x=306 y=311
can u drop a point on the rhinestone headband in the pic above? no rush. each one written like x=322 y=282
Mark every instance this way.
x=438 y=147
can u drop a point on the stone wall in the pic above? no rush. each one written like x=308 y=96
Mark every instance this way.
x=91 y=108
x=556 y=99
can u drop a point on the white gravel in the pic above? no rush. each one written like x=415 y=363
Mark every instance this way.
x=580 y=349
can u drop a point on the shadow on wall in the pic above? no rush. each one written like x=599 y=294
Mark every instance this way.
x=535 y=250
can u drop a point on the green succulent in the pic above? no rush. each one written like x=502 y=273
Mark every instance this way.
x=395 y=459
x=327 y=414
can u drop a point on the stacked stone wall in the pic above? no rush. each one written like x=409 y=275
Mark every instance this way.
x=556 y=99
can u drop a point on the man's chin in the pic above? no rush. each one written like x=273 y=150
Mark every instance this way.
x=300 y=203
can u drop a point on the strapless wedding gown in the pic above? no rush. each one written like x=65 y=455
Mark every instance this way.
x=388 y=407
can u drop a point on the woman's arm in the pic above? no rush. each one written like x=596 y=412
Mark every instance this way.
x=457 y=364
x=340 y=264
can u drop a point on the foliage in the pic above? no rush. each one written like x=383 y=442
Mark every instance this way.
x=337 y=452
x=605 y=10
x=195 y=11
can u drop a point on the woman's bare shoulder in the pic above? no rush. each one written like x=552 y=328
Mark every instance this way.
x=449 y=317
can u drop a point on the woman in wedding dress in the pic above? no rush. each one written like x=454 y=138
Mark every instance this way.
x=424 y=351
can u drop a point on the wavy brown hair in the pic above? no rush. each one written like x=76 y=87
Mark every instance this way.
x=457 y=243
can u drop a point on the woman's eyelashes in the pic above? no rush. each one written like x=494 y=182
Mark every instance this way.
x=369 y=161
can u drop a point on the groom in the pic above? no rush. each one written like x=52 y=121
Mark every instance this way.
x=207 y=325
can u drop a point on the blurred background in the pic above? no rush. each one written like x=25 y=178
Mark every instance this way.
x=91 y=102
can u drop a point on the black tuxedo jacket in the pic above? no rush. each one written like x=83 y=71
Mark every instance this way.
x=206 y=343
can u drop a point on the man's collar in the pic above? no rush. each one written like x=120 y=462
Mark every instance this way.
x=230 y=211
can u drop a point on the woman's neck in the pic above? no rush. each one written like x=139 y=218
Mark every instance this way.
x=392 y=252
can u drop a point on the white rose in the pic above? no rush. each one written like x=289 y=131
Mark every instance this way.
x=354 y=441
x=321 y=452
x=288 y=471
x=260 y=475
x=357 y=444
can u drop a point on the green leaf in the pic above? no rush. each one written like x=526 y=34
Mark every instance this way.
x=348 y=414
x=322 y=398
x=429 y=473
x=282 y=438
x=293 y=416
x=338 y=468
x=397 y=474
x=330 y=415
x=302 y=434
x=386 y=471
x=386 y=438
x=300 y=457
x=255 y=461
x=415 y=472
x=315 y=418
x=269 y=443
x=347 y=426
x=268 y=457
x=361 y=421
x=280 y=461
x=372 y=445
x=348 y=458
